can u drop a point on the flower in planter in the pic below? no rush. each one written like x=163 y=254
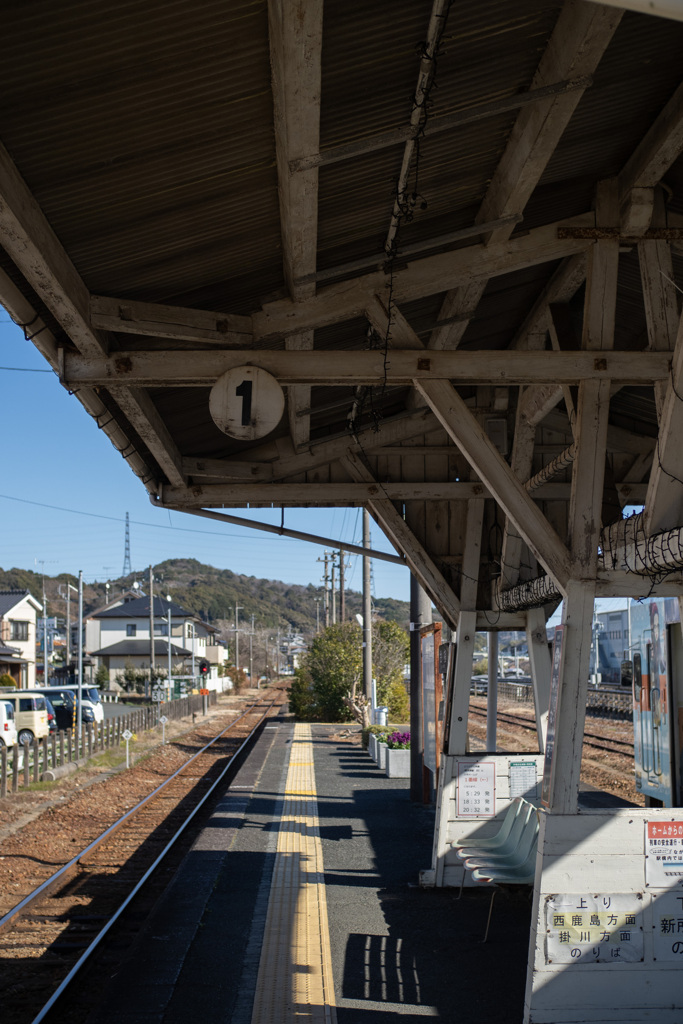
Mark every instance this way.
x=398 y=741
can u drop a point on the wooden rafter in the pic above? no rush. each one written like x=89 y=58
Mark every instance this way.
x=580 y=38
x=402 y=537
x=494 y=471
x=295 y=32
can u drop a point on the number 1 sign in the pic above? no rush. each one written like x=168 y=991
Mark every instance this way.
x=246 y=403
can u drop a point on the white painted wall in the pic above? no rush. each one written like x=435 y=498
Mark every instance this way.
x=603 y=853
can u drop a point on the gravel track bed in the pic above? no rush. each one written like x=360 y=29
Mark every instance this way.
x=611 y=770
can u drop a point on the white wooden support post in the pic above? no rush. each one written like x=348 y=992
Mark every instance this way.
x=539 y=659
x=467 y=626
x=584 y=514
x=492 y=693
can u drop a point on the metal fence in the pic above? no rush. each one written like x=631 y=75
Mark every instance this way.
x=20 y=766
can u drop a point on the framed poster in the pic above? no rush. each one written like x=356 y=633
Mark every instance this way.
x=555 y=676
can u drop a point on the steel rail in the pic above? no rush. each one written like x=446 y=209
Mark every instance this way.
x=50 y=882
x=87 y=953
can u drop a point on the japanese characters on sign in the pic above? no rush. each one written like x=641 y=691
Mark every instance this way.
x=594 y=929
x=523 y=780
x=476 y=792
x=667 y=920
x=664 y=854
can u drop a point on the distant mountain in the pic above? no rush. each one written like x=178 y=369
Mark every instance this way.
x=208 y=592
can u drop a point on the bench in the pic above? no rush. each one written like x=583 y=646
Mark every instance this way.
x=509 y=856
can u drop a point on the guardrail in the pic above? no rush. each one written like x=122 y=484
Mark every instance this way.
x=22 y=766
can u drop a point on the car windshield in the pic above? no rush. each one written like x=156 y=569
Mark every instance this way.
x=92 y=693
x=9 y=711
x=61 y=700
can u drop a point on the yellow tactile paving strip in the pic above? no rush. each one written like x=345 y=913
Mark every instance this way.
x=295 y=970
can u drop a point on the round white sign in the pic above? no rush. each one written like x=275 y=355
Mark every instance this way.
x=246 y=403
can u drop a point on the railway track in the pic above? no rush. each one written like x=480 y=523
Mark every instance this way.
x=53 y=932
x=595 y=741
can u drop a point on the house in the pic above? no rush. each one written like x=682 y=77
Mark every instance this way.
x=124 y=639
x=18 y=615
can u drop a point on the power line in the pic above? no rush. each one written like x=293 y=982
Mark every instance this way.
x=117 y=519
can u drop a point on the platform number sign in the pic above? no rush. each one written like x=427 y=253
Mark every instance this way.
x=246 y=403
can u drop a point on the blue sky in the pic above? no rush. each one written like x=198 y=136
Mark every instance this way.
x=54 y=455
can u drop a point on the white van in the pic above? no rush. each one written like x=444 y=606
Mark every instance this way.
x=90 y=697
x=30 y=714
x=8 y=729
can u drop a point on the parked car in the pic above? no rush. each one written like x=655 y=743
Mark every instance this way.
x=51 y=716
x=64 y=704
x=90 y=696
x=30 y=714
x=8 y=729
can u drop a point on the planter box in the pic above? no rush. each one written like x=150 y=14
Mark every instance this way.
x=381 y=755
x=398 y=764
x=372 y=747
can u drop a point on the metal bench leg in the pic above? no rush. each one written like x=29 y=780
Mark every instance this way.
x=488 y=922
x=462 y=883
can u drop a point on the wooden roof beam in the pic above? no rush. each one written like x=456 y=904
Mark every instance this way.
x=665 y=490
x=498 y=477
x=174 y=369
x=404 y=540
x=295 y=29
x=576 y=46
x=29 y=239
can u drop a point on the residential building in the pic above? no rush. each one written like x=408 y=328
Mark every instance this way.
x=19 y=612
x=123 y=639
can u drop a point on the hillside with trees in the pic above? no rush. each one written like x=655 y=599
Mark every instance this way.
x=208 y=592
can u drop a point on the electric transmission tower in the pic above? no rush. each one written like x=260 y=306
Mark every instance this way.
x=127 y=570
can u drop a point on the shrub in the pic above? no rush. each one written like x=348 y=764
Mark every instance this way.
x=398 y=702
x=375 y=730
x=7 y=680
x=301 y=696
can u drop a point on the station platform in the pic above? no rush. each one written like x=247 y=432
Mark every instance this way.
x=299 y=901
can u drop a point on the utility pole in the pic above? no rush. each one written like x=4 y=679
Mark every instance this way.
x=45 y=679
x=152 y=653
x=69 y=588
x=80 y=657
x=326 y=580
x=251 y=653
x=317 y=614
x=277 y=652
x=238 y=609
x=168 y=598
x=334 y=592
x=342 y=596
x=367 y=611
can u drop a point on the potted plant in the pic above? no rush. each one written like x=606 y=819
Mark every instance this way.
x=398 y=755
x=382 y=750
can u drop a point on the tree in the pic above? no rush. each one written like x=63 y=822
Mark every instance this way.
x=390 y=652
x=102 y=676
x=335 y=665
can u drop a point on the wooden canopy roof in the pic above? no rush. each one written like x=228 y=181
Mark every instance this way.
x=452 y=235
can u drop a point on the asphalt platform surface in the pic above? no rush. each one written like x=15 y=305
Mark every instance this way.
x=400 y=953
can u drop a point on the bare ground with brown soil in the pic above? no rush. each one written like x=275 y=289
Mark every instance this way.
x=607 y=761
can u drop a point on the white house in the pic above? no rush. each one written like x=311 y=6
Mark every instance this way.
x=124 y=639
x=18 y=614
